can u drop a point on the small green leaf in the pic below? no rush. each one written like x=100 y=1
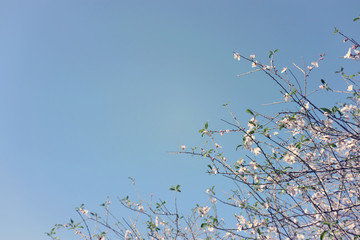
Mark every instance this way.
x=203 y=225
x=355 y=19
x=272 y=52
x=176 y=189
x=226 y=104
x=327 y=223
x=206 y=125
x=249 y=111
x=323 y=235
x=326 y=110
x=336 y=30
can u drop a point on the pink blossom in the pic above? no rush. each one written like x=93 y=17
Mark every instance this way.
x=243 y=170
x=348 y=54
x=141 y=208
x=203 y=210
x=256 y=151
x=239 y=227
x=253 y=165
x=241 y=219
x=217 y=145
x=127 y=234
x=307 y=105
x=287 y=97
x=237 y=56
x=315 y=64
x=84 y=211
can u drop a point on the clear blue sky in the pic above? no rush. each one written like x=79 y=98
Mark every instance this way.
x=93 y=92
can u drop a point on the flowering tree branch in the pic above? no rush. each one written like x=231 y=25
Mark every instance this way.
x=298 y=177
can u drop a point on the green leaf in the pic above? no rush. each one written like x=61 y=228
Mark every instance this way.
x=249 y=111
x=323 y=235
x=203 y=225
x=206 y=125
x=176 y=189
x=355 y=19
x=327 y=223
x=336 y=30
x=226 y=104
x=272 y=52
x=326 y=110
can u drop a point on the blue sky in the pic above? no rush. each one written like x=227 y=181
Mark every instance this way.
x=94 y=92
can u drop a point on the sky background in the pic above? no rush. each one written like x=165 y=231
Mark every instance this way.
x=93 y=92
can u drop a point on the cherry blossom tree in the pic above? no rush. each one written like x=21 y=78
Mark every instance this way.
x=299 y=177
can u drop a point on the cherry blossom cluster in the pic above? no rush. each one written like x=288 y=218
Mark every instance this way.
x=296 y=174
